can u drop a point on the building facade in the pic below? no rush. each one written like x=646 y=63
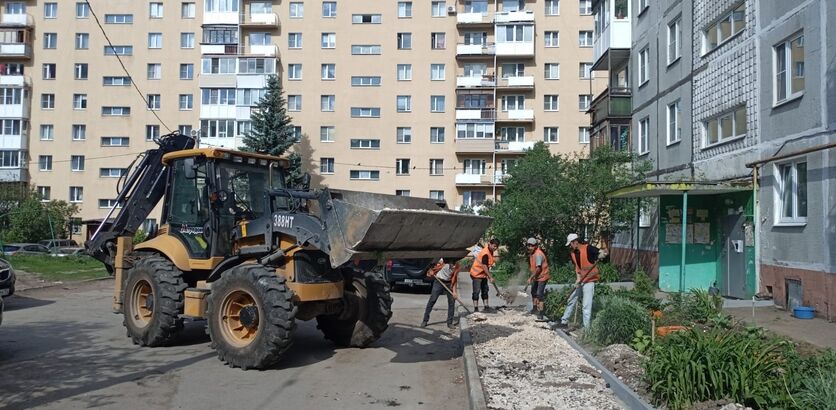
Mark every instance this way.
x=432 y=99
x=732 y=104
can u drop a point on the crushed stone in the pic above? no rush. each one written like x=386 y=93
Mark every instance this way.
x=625 y=363
x=524 y=365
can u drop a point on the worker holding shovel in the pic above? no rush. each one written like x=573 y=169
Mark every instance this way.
x=539 y=265
x=445 y=274
x=480 y=272
x=584 y=257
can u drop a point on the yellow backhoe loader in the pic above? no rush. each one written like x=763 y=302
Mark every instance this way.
x=251 y=256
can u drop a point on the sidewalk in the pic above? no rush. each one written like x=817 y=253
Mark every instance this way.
x=817 y=332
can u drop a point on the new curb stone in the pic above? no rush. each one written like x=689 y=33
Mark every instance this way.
x=475 y=390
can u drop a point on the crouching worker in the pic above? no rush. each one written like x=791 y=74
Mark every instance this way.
x=444 y=274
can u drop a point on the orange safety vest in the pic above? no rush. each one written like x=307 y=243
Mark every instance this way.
x=532 y=261
x=478 y=270
x=583 y=266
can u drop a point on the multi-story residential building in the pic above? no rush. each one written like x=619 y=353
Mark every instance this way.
x=735 y=114
x=433 y=99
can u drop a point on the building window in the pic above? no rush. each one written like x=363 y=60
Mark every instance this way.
x=186 y=102
x=10 y=159
x=403 y=135
x=294 y=103
x=327 y=133
x=402 y=192
x=370 y=49
x=327 y=103
x=788 y=66
x=329 y=40
x=585 y=38
x=474 y=198
x=326 y=165
x=365 y=112
x=437 y=195
x=50 y=40
x=552 y=71
x=439 y=8
x=364 y=144
x=329 y=9
x=552 y=7
x=186 y=40
x=583 y=101
x=437 y=72
x=551 y=135
x=365 y=18
x=438 y=41
x=402 y=166
x=119 y=18
x=552 y=39
x=185 y=129
x=404 y=103
x=329 y=71
x=109 y=203
x=118 y=50
x=154 y=102
x=76 y=194
x=116 y=81
x=294 y=40
x=260 y=39
x=404 y=72
x=297 y=10
x=155 y=71
x=585 y=7
x=48 y=101
x=724 y=28
x=80 y=71
x=82 y=10
x=674 y=123
x=187 y=10
x=79 y=132
x=404 y=9
x=437 y=135
x=365 y=81
x=585 y=71
x=643 y=4
x=45 y=193
x=50 y=10
x=116 y=111
x=49 y=71
x=514 y=102
x=551 y=102
x=437 y=103
x=644 y=136
x=77 y=163
x=79 y=101
x=791 y=192
x=47 y=132
x=45 y=163
x=82 y=41
x=583 y=135
x=187 y=71
x=512 y=134
x=726 y=127
x=644 y=66
x=404 y=41
x=474 y=166
x=155 y=10
x=115 y=141
x=294 y=71
x=674 y=41
x=364 y=175
x=152 y=132
x=515 y=33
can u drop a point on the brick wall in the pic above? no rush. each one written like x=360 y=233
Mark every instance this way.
x=819 y=288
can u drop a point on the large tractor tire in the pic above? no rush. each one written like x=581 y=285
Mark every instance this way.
x=251 y=317
x=153 y=301
x=371 y=302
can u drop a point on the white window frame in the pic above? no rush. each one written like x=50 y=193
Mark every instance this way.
x=76 y=194
x=552 y=8
x=294 y=72
x=155 y=41
x=76 y=163
x=585 y=7
x=154 y=71
x=78 y=132
x=82 y=41
x=437 y=103
x=644 y=136
x=403 y=135
x=402 y=166
x=45 y=163
x=79 y=101
x=328 y=40
x=403 y=103
x=790 y=70
x=50 y=41
x=583 y=37
x=551 y=39
x=584 y=101
x=780 y=186
x=438 y=72
x=438 y=41
x=328 y=72
x=296 y=10
x=644 y=66
x=551 y=102
x=82 y=10
x=404 y=72
x=188 y=10
x=47 y=132
x=187 y=40
x=717 y=26
x=551 y=135
x=518 y=102
x=674 y=120
x=437 y=135
x=329 y=9
x=155 y=10
x=186 y=102
x=364 y=175
x=585 y=70
x=294 y=41
x=436 y=166
x=583 y=135
x=326 y=165
x=327 y=102
x=436 y=194
x=404 y=9
x=327 y=133
x=50 y=10
x=404 y=40
x=296 y=104
x=674 y=40
x=731 y=116
x=551 y=71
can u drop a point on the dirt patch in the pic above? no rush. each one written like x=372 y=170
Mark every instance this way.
x=625 y=363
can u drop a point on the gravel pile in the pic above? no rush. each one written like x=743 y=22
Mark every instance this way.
x=626 y=364
x=524 y=365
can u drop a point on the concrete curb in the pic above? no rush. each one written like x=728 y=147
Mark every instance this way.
x=475 y=390
x=52 y=285
x=621 y=390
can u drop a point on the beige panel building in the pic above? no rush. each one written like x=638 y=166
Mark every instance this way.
x=422 y=98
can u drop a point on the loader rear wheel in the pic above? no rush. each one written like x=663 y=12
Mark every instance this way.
x=153 y=301
x=371 y=305
x=251 y=317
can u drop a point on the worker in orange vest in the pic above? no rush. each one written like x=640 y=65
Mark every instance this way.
x=480 y=272
x=539 y=266
x=584 y=256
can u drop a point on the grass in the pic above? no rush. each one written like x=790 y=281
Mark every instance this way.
x=52 y=268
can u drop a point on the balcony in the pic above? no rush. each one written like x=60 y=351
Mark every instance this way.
x=475 y=50
x=517 y=83
x=513 y=147
x=14 y=175
x=474 y=19
x=218 y=81
x=517 y=49
x=15 y=110
x=16 y=20
x=611 y=103
x=474 y=180
x=475 y=114
x=223 y=17
x=475 y=145
x=259 y=20
x=14 y=81
x=514 y=16
x=615 y=36
x=16 y=50
x=481 y=81
x=517 y=116
x=15 y=142
x=269 y=50
x=217 y=111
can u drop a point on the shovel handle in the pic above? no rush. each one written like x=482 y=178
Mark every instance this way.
x=452 y=294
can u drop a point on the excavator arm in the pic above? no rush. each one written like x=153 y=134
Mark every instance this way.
x=143 y=187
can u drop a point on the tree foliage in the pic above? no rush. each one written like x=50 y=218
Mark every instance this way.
x=272 y=129
x=548 y=196
x=32 y=220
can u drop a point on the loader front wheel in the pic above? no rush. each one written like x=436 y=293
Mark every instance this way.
x=251 y=317
x=153 y=301
x=369 y=308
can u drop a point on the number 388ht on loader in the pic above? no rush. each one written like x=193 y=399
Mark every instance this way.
x=251 y=256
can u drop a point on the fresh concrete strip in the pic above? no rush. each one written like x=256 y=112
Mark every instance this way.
x=624 y=393
x=475 y=390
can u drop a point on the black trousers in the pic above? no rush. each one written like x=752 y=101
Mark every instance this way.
x=480 y=285
x=436 y=292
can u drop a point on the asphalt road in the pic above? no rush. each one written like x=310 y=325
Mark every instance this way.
x=61 y=347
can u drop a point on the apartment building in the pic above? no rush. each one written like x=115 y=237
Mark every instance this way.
x=433 y=99
x=733 y=103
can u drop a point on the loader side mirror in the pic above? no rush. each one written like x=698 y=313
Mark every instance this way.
x=189 y=168
x=306 y=182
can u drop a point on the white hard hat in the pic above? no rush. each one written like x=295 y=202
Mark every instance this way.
x=570 y=238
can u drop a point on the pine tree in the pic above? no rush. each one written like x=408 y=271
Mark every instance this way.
x=272 y=130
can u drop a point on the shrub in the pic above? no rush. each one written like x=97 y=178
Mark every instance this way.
x=642 y=284
x=648 y=301
x=818 y=391
x=617 y=320
x=562 y=273
x=503 y=271
x=608 y=273
x=696 y=306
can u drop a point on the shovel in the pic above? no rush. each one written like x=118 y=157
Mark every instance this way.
x=452 y=294
x=506 y=296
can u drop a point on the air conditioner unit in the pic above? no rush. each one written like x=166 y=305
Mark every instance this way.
x=451 y=9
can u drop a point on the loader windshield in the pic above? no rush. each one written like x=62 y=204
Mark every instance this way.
x=245 y=186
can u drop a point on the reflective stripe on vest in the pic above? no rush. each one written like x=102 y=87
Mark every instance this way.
x=478 y=270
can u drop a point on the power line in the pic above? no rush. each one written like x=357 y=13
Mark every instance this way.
x=119 y=58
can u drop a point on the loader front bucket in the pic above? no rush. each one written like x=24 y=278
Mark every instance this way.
x=374 y=226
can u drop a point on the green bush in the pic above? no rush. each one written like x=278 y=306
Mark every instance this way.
x=608 y=273
x=562 y=273
x=812 y=380
x=696 y=306
x=503 y=271
x=617 y=320
x=642 y=284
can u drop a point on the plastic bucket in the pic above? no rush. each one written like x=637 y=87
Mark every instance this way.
x=804 y=312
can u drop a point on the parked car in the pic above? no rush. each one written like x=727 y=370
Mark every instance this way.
x=77 y=251
x=7 y=278
x=24 y=249
x=58 y=243
x=410 y=272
